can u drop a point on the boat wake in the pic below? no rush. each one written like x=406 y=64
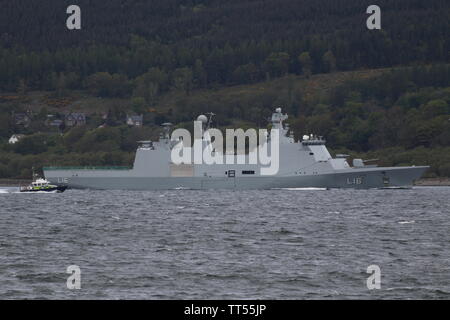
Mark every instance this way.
x=16 y=190
x=396 y=188
x=38 y=192
x=301 y=189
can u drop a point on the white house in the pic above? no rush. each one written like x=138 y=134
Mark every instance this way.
x=136 y=121
x=15 y=138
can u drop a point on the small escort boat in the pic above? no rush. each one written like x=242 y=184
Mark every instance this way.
x=43 y=185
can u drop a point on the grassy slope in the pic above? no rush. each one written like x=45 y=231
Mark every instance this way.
x=83 y=102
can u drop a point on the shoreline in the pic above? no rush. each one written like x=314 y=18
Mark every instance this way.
x=426 y=182
x=14 y=182
x=433 y=182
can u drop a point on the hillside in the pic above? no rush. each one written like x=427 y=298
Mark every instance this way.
x=399 y=116
x=372 y=93
x=140 y=46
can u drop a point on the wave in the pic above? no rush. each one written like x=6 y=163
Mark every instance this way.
x=301 y=189
x=407 y=222
x=15 y=190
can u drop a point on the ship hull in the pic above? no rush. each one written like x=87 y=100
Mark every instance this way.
x=364 y=178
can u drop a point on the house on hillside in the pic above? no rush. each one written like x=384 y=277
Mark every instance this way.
x=22 y=118
x=135 y=121
x=15 y=138
x=56 y=123
x=75 y=119
x=52 y=121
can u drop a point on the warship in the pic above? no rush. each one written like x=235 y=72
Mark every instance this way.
x=306 y=163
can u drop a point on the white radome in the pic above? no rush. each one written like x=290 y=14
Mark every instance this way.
x=202 y=118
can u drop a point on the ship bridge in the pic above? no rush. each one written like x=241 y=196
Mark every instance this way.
x=313 y=140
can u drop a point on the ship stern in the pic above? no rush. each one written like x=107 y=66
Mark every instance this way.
x=380 y=177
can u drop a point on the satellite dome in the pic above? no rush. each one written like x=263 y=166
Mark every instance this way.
x=202 y=118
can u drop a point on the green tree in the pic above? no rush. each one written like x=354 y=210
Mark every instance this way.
x=5 y=125
x=277 y=64
x=199 y=74
x=22 y=87
x=60 y=84
x=436 y=108
x=104 y=84
x=306 y=63
x=329 y=61
x=33 y=144
x=138 y=104
x=182 y=79
x=247 y=73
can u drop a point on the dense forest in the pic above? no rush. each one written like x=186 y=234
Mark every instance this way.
x=171 y=60
x=154 y=45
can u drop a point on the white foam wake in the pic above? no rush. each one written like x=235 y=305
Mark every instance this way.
x=16 y=190
x=302 y=189
x=407 y=222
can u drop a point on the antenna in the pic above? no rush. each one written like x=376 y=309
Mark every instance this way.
x=211 y=115
x=166 y=126
x=34 y=175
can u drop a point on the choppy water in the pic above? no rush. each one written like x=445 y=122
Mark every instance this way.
x=274 y=244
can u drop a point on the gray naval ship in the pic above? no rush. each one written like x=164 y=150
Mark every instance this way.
x=302 y=164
